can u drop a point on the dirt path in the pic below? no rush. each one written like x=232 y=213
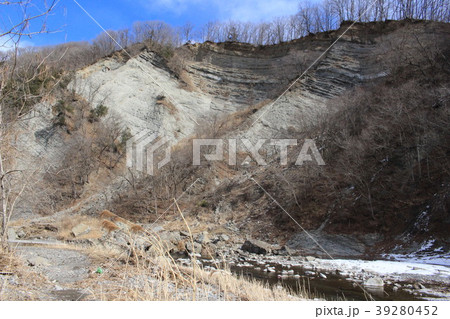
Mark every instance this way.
x=64 y=267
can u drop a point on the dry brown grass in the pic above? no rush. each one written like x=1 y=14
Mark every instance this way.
x=107 y=214
x=137 y=229
x=188 y=83
x=66 y=224
x=134 y=274
x=155 y=275
x=27 y=286
x=168 y=105
x=109 y=226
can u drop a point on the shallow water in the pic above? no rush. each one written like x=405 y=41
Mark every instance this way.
x=334 y=287
x=69 y=295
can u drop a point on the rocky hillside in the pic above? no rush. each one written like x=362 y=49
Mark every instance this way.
x=375 y=102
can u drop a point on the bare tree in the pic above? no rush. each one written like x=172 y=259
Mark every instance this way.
x=11 y=185
x=186 y=31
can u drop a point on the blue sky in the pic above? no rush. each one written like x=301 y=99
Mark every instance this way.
x=70 y=23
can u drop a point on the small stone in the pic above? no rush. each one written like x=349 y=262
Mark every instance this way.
x=310 y=258
x=80 y=230
x=12 y=234
x=203 y=238
x=374 y=282
x=197 y=248
x=323 y=276
x=206 y=253
x=38 y=261
x=21 y=233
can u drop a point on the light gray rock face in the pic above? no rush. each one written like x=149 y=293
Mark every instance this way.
x=40 y=147
x=246 y=75
x=130 y=90
x=228 y=77
x=306 y=101
x=335 y=245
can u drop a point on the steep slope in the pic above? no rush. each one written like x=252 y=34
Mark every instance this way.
x=227 y=89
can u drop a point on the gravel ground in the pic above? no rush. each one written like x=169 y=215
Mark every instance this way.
x=58 y=265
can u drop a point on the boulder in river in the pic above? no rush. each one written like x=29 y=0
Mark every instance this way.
x=374 y=282
x=256 y=247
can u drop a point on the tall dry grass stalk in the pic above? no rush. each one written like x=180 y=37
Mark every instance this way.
x=146 y=270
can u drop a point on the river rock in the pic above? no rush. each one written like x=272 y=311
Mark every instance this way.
x=207 y=253
x=21 y=233
x=196 y=248
x=172 y=237
x=256 y=247
x=202 y=238
x=418 y=286
x=374 y=282
x=12 y=234
x=38 y=261
x=184 y=233
x=284 y=251
x=80 y=230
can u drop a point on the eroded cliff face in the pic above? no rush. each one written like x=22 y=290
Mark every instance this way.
x=276 y=91
x=229 y=77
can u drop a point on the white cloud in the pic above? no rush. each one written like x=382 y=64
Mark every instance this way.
x=9 y=45
x=243 y=10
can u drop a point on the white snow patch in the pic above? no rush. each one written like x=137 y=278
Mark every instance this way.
x=384 y=267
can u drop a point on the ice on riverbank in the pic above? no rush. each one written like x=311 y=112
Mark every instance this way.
x=383 y=267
